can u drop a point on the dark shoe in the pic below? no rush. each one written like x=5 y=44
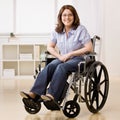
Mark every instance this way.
x=51 y=105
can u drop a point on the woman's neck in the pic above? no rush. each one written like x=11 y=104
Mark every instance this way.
x=67 y=29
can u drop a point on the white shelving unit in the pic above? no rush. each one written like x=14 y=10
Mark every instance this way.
x=21 y=60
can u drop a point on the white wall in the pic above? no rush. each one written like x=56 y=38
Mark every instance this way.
x=27 y=16
x=34 y=16
x=6 y=16
x=112 y=36
x=88 y=13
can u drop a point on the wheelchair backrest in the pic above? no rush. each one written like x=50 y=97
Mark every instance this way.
x=96 y=46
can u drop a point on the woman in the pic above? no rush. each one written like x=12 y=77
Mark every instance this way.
x=73 y=41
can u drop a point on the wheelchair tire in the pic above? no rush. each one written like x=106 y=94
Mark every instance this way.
x=33 y=110
x=71 y=109
x=96 y=87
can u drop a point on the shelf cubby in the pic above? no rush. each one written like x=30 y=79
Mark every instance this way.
x=21 y=59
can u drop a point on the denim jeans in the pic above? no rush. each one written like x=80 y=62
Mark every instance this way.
x=55 y=75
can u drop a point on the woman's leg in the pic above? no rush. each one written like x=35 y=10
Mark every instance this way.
x=60 y=76
x=44 y=77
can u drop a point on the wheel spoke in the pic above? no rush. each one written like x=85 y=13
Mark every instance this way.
x=93 y=98
x=100 y=73
x=97 y=100
x=102 y=82
x=68 y=110
x=95 y=74
x=101 y=93
x=73 y=110
x=91 y=80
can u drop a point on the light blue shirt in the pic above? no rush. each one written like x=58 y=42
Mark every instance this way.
x=74 y=41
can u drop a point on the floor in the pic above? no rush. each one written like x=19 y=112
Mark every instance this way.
x=11 y=106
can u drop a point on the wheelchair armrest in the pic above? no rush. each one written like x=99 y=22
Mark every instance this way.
x=81 y=67
x=89 y=58
x=46 y=52
x=90 y=54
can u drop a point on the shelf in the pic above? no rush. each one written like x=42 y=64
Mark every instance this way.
x=10 y=65
x=26 y=51
x=26 y=68
x=21 y=60
x=9 y=52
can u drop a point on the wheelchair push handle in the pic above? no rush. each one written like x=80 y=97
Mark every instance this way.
x=96 y=37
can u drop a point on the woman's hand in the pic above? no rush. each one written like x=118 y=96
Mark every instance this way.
x=65 y=57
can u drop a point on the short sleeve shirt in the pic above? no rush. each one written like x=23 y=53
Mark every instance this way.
x=74 y=41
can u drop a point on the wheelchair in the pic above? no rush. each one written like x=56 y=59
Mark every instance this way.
x=90 y=84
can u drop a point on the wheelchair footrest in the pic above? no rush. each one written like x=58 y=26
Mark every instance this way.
x=51 y=105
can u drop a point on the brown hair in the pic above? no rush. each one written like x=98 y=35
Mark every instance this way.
x=60 y=26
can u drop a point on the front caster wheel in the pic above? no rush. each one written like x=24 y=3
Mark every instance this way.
x=33 y=110
x=71 y=109
x=31 y=106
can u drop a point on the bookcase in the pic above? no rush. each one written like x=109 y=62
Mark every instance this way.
x=21 y=60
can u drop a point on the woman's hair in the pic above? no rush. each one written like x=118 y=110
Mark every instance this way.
x=60 y=26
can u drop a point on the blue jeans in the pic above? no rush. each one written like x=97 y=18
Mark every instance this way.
x=55 y=74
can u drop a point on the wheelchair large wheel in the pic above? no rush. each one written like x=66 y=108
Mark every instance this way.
x=71 y=109
x=96 y=87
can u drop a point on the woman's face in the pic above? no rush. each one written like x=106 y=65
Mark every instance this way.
x=67 y=18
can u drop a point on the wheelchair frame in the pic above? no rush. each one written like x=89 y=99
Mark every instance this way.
x=93 y=76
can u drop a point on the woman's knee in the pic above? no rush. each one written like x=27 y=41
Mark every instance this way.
x=53 y=64
x=62 y=67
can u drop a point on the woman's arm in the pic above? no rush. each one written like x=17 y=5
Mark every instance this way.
x=88 y=47
x=52 y=50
